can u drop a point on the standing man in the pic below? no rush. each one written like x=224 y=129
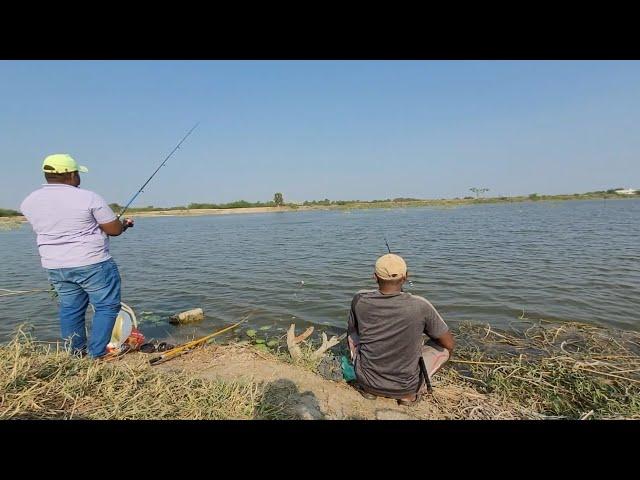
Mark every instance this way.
x=385 y=334
x=73 y=228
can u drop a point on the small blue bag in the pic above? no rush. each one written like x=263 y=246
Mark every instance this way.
x=348 y=373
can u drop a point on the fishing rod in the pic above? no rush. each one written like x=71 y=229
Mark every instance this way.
x=389 y=249
x=387 y=243
x=423 y=369
x=161 y=165
x=187 y=347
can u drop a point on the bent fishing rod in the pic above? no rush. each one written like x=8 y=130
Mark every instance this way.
x=423 y=369
x=387 y=244
x=389 y=249
x=157 y=169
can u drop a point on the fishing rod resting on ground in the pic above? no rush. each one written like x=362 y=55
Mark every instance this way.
x=152 y=175
x=187 y=347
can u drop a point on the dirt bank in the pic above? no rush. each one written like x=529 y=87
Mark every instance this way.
x=307 y=395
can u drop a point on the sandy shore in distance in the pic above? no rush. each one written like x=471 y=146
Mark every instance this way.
x=191 y=213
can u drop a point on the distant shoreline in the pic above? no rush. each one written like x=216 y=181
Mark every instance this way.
x=356 y=206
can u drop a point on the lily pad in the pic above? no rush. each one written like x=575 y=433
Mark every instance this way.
x=262 y=347
x=272 y=343
x=152 y=318
x=259 y=340
x=266 y=327
x=251 y=333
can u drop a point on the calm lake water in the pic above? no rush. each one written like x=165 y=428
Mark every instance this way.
x=573 y=260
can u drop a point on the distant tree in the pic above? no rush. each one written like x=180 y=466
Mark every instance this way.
x=198 y=206
x=405 y=199
x=7 y=212
x=479 y=191
x=278 y=200
x=534 y=196
x=115 y=207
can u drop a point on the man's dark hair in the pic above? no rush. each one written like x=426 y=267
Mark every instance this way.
x=56 y=177
x=390 y=283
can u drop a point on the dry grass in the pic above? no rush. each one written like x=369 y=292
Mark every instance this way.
x=549 y=370
x=452 y=399
x=39 y=382
x=306 y=361
x=568 y=370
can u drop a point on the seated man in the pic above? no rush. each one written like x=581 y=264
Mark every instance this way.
x=385 y=336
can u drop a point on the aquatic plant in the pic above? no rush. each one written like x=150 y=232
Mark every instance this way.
x=565 y=370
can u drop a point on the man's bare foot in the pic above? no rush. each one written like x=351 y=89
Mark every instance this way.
x=410 y=400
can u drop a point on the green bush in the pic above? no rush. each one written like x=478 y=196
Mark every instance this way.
x=4 y=212
x=406 y=199
x=236 y=204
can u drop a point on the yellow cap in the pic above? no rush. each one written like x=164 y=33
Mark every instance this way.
x=62 y=163
x=391 y=267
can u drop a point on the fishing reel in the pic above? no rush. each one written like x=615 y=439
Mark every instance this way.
x=127 y=223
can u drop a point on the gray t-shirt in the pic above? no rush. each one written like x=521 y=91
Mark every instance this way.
x=389 y=329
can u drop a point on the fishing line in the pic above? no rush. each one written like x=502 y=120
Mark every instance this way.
x=21 y=292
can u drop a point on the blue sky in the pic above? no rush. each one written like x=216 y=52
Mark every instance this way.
x=316 y=129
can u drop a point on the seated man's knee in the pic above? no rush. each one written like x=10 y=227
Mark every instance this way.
x=434 y=357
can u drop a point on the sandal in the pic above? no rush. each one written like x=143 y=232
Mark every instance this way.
x=406 y=402
x=148 y=348
x=164 y=346
x=124 y=348
x=365 y=394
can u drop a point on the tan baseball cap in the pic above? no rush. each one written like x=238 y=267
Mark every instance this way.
x=391 y=267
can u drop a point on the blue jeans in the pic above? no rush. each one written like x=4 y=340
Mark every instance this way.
x=98 y=284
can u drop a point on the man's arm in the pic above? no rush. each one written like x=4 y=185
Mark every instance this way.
x=447 y=341
x=106 y=219
x=353 y=339
x=116 y=227
x=113 y=229
x=436 y=328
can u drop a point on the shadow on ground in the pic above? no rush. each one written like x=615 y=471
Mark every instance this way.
x=282 y=400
